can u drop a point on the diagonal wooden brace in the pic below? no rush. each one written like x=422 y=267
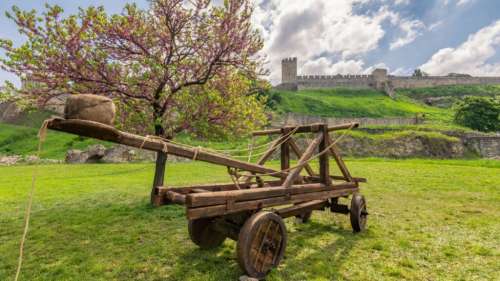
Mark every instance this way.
x=294 y=173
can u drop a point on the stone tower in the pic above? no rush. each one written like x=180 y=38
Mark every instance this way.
x=289 y=70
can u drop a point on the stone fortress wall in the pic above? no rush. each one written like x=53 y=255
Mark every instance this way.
x=379 y=79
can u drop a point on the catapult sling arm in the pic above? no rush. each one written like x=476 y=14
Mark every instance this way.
x=108 y=133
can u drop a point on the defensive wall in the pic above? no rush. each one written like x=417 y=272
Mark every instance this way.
x=378 y=79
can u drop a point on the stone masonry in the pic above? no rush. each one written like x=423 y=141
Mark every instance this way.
x=379 y=79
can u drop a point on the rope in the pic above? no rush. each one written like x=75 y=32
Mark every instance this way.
x=251 y=145
x=42 y=134
x=311 y=158
x=155 y=139
x=288 y=136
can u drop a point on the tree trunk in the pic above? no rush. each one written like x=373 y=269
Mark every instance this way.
x=161 y=161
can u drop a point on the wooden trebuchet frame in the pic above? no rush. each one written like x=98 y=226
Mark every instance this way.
x=222 y=210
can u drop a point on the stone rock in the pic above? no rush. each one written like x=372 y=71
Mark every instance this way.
x=90 y=107
x=57 y=104
x=95 y=153
x=9 y=112
x=31 y=159
x=118 y=154
x=10 y=160
x=75 y=156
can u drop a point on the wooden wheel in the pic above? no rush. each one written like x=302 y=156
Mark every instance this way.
x=203 y=234
x=261 y=243
x=358 y=212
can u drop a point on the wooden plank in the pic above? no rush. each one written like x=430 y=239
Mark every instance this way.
x=336 y=155
x=221 y=197
x=324 y=163
x=108 y=133
x=292 y=176
x=285 y=154
x=217 y=186
x=175 y=197
x=296 y=149
x=301 y=208
x=307 y=129
x=220 y=210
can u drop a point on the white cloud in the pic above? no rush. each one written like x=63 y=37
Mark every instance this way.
x=325 y=66
x=457 y=2
x=412 y=29
x=470 y=57
x=319 y=29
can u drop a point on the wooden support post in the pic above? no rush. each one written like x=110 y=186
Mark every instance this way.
x=285 y=153
x=324 y=165
x=161 y=163
x=296 y=149
x=292 y=176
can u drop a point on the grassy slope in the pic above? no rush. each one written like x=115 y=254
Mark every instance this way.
x=93 y=222
x=24 y=141
x=353 y=103
x=452 y=91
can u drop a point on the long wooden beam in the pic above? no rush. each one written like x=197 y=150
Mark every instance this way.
x=224 y=209
x=306 y=129
x=108 y=133
x=194 y=200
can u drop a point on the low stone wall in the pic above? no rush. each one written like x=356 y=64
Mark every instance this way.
x=485 y=146
x=293 y=119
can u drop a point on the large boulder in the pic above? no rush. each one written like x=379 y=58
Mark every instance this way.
x=75 y=156
x=118 y=154
x=90 y=107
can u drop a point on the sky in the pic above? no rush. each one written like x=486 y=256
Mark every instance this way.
x=352 y=36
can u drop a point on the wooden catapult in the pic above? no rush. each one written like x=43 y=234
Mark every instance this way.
x=246 y=209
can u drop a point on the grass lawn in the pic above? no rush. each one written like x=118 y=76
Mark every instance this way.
x=429 y=220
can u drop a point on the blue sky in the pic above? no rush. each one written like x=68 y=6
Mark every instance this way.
x=354 y=36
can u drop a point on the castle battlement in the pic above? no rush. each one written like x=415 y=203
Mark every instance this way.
x=378 y=79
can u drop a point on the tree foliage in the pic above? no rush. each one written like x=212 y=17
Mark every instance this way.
x=479 y=113
x=419 y=73
x=179 y=65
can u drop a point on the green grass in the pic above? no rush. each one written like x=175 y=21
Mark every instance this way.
x=22 y=140
x=354 y=103
x=429 y=220
x=452 y=91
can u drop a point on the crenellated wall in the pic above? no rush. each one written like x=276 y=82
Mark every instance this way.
x=379 y=79
x=332 y=81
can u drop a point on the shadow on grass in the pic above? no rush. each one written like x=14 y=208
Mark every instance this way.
x=307 y=256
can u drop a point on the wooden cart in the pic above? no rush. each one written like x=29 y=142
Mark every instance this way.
x=244 y=209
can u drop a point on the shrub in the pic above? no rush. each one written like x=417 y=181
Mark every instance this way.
x=478 y=113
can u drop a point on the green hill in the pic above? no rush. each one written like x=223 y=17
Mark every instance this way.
x=353 y=103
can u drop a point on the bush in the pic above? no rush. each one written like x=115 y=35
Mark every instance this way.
x=478 y=113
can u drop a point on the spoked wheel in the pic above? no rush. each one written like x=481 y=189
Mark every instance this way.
x=358 y=212
x=203 y=234
x=261 y=244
